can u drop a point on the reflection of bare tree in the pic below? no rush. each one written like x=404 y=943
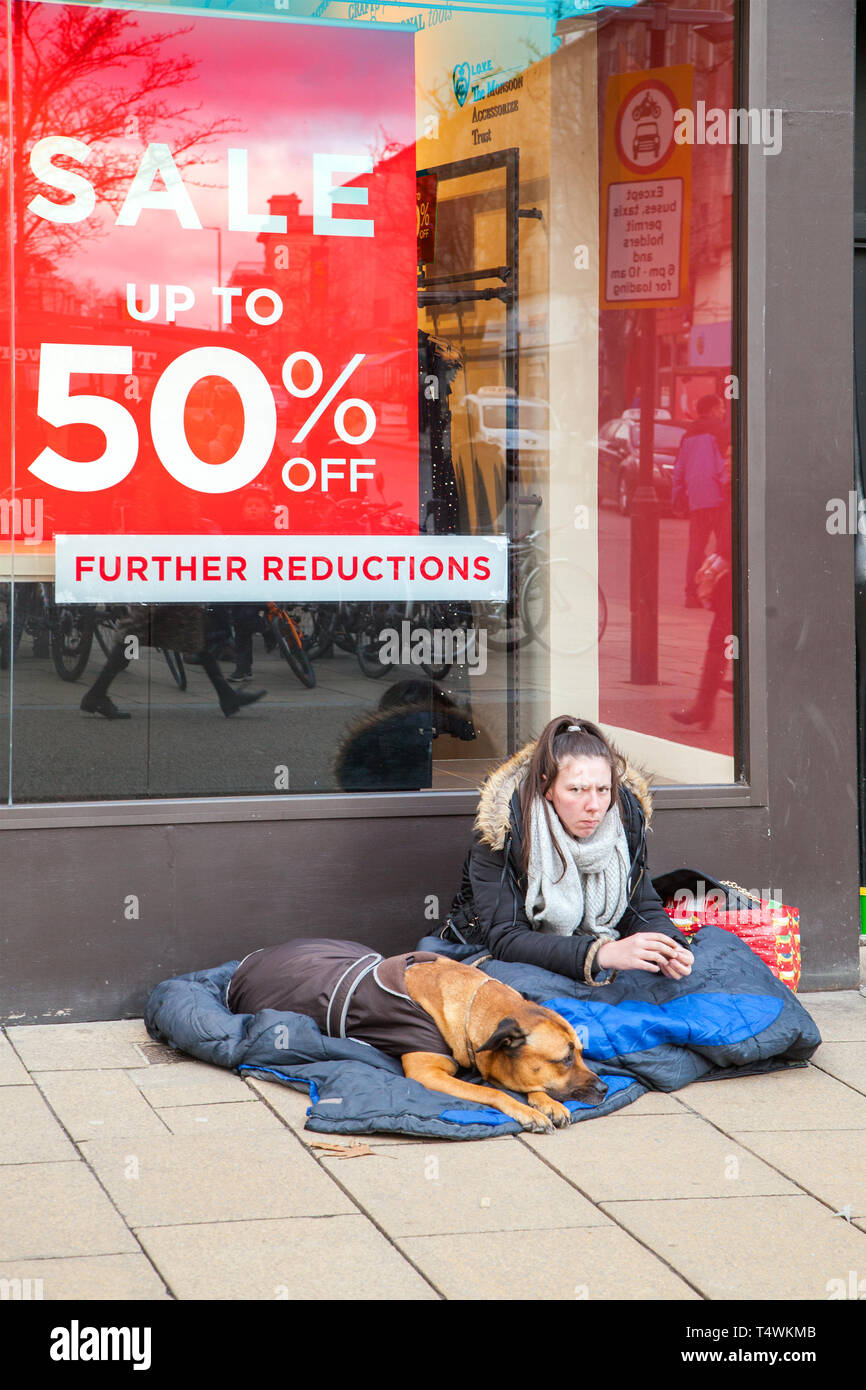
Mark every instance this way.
x=93 y=75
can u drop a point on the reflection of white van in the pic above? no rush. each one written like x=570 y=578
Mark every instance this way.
x=536 y=426
x=481 y=437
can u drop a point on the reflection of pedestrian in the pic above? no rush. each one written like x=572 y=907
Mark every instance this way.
x=247 y=620
x=699 y=483
x=713 y=583
x=257 y=511
x=174 y=627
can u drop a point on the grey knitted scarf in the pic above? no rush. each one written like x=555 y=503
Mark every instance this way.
x=590 y=895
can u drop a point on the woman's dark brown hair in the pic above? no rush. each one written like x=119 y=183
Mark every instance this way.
x=554 y=745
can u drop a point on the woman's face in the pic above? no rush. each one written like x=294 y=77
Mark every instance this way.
x=580 y=796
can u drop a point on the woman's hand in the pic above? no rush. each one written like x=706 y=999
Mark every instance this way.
x=646 y=950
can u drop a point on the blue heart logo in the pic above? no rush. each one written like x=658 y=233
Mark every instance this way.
x=460 y=78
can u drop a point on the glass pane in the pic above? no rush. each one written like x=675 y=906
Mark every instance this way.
x=283 y=435
x=667 y=664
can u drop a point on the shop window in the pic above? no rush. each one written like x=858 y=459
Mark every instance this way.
x=438 y=288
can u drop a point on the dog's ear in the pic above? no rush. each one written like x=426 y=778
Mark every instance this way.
x=508 y=1037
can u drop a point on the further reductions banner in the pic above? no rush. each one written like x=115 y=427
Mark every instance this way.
x=215 y=326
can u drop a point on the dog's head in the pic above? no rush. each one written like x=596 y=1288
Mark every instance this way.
x=541 y=1052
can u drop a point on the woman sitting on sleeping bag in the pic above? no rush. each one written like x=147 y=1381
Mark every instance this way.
x=556 y=875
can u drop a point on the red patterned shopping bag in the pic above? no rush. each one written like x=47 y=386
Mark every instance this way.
x=771 y=929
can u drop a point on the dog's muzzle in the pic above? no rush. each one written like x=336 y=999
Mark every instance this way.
x=591 y=1092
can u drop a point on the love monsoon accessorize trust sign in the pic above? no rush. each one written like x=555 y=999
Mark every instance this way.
x=214 y=351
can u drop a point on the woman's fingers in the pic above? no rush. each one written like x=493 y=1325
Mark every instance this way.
x=655 y=952
x=676 y=970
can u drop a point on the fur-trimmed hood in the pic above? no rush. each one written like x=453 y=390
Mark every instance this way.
x=383 y=743
x=494 y=808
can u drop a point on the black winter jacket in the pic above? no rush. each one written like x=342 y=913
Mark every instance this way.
x=489 y=908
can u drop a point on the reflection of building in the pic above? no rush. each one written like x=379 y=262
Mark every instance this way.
x=43 y=291
x=299 y=265
x=293 y=265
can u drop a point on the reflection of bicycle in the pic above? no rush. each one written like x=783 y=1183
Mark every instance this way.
x=71 y=640
x=548 y=593
x=354 y=627
x=17 y=611
x=64 y=631
x=438 y=631
x=556 y=594
x=105 y=621
x=290 y=643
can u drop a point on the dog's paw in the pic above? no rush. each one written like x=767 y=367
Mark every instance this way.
x=532 y=1119
x=553 y=1109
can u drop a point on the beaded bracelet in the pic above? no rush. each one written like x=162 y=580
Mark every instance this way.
x=587 y=966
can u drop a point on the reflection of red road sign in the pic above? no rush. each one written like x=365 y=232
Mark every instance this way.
x=644 y=130
x=426 y=218
x=645 y=190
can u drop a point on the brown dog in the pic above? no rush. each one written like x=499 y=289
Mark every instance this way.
x=434 y=1014
x=521 y=1046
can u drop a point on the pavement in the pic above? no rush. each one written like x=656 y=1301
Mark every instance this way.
x=130 y=1172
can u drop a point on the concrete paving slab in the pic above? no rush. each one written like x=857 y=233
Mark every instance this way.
x=632 y=1156
x=12 y=1070
x=185 y=1179
x=331 y=1258
x=804 y=1099
x=652 y=1103
x=57 y=1209
x=98 y=1104
x=103 y=1277
x=79 y=1046
x=29 y=1133
x=589 y=1262
x=221 y=1119
x=748 y=1247
x=839 y=1014
x=485 y=1186
x=830 y=1164
x=290 y=1105
x=844 y=1060
x=189 y=1083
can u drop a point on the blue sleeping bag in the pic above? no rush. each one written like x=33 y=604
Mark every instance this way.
x=730 y=1017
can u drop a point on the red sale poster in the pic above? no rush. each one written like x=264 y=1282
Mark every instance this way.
x=215 y=315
